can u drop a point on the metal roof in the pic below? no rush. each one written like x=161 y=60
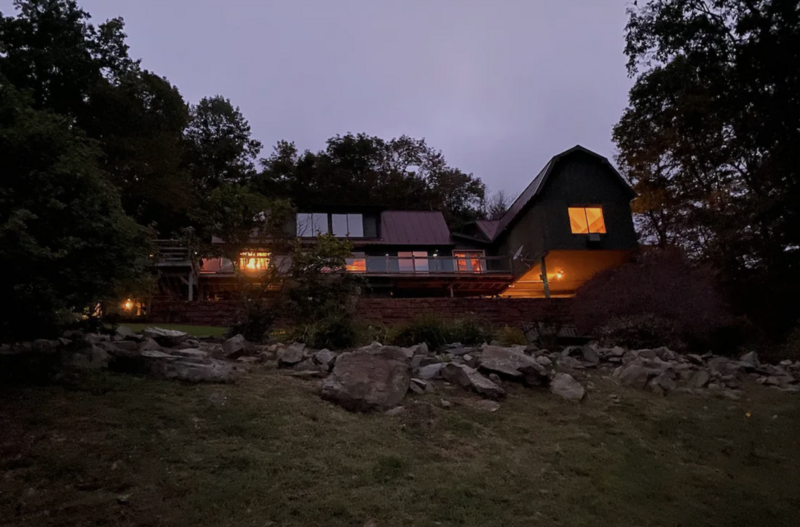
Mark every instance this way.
x=488 y=228
x=400 y=227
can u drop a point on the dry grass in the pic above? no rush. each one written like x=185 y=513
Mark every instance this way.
x=119 y=450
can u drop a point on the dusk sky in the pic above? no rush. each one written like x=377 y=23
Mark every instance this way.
x=498 y=85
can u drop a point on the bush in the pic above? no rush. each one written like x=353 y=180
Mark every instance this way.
x=254 y=319
x=335 y=332
x=661 y=284
x=640 y=331
x=508 y=336
x=436 y=332
x=424 y=328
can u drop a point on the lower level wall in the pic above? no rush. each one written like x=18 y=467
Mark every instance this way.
x=389 y=311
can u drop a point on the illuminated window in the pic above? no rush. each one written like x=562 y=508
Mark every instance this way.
x=586 y=220
x=469 y=261
x=357 y=263
x=253 y=261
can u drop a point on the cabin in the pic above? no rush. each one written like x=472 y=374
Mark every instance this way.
x=573 y=220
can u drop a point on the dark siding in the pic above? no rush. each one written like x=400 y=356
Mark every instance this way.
x=578 y=179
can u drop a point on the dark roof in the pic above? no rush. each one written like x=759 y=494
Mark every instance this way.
x=414 y=228
x=488 y=227
x=539 y=181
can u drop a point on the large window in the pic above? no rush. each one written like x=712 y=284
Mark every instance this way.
x=586 y=220
x=357 y=263
x=252 y=261
x=345 y=225
x=311 y=224
x=469 y=261
x=416 y=261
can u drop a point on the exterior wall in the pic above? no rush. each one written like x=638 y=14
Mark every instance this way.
x=389 y=311
x=577 y=180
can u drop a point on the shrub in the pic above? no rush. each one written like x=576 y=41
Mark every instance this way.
x=424 y=328
x=367 y=333
x=640 y=331
x=660 y=283
x=508 y=336
x=335 y=332
x=253 y=319
x=436 y=332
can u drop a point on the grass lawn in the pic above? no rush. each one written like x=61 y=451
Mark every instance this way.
x=120 y=450
x=196 y=331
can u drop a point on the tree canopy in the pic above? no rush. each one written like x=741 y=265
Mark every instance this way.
x=710 y=140
x=402 y=173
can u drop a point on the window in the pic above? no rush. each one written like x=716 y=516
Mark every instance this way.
x=586 y=220
x=251 y=261
x=469 y=261
x=311 y=224
x=357 y=263
x=416 y=261
x=344 y=225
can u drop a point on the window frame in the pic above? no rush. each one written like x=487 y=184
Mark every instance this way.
x=586 y=219
x=468 y=256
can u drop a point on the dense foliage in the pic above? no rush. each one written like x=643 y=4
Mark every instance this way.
x=710 y=141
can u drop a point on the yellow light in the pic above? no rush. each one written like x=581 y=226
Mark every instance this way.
x=560 y=274
x=128 y=305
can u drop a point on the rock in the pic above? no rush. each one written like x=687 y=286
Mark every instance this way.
x=416 y=388
x=368 y=379
x=666 y=354
x=695 y=359
x=175 y=367
x=569 y=363
x=734 y=395
x=306 y=365
x=192 y=355
x=126 y=333
x=700 y=379
x=445 y=403
x=664 y=381
x=234 y=347
x=459 y=351
x=166 y=337
x=431 y=371
x=420 y=349
x=421 y=384
x=291 y=354
x=513 y=363
x=750 y=360
x=564 y=385
x=544 y=361
x=485 y=405
x=90 y=358
x=589 y=354
x=398 y=410
x=149 y=344
x=325 y=358
x=647 y=354
x=469 y=378
x=616 y=351
x=633 y=374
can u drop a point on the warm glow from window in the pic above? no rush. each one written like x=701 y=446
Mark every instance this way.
x=469 y=262
x=128 y=305
x=357 y=265
x=586 y=220
x=254 y=261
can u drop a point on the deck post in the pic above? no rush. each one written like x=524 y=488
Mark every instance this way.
x=544 y=278
x=191 y=285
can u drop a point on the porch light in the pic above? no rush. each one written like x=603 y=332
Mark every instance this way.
x=559 y=274
x=128 y=305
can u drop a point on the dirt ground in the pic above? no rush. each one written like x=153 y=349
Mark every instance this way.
x=120 y=450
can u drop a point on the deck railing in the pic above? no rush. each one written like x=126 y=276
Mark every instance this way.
x=379 y=265
x=171 y=252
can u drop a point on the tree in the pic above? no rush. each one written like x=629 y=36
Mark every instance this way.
x=402 y=173
x=497 y=204
x=709 y=140
x=65 y=242
x=220 y=148
x=51 y=50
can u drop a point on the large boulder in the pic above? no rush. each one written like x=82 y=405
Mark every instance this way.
x=367 y=379
x=513 y=363
x=325 y=358
x=191 y=368
x=469 y=378
x=292 y=354
x=431 y=371
x=166 y=337
x=234 y=347
x=564 y=385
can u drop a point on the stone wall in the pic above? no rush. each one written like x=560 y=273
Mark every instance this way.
x=389 y=311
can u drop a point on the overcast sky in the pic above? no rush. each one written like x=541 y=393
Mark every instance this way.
x=499 y=86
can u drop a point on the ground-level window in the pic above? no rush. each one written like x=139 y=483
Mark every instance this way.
x=253 y=260
x=469 y=261
x=586 y=220
x=413 y=261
